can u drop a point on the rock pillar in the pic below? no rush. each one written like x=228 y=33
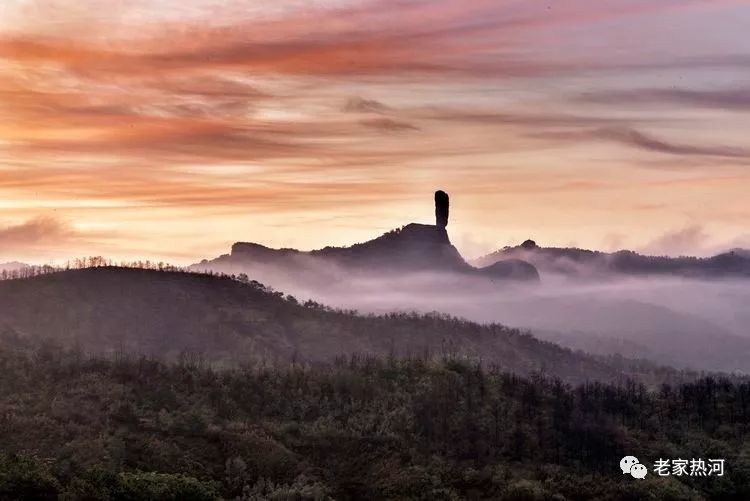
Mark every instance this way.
x=441 y=209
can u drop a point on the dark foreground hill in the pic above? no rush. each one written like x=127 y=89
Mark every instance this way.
x=165 y=314
x=73 y=428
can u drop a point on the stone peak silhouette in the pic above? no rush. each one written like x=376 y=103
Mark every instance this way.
x=442 y=206
x=414 y=247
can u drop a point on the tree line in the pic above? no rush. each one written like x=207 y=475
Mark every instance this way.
x=361 y=427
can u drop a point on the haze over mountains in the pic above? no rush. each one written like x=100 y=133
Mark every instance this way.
x=169 y=314
x=411 y=249
x=684 y=311
x=583 y=263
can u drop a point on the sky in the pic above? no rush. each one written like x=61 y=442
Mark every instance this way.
x=169 y=129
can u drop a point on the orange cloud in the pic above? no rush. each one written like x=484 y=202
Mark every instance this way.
x=35 y=232
x=372 y=38
x=243 y=113
x=45 y=235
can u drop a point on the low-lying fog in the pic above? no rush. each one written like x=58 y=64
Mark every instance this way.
x=681 y=322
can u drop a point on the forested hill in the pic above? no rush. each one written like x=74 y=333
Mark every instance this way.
x=361 y=429
x=165 y=314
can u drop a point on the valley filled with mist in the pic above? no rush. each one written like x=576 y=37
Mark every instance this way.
x=370 y=250
x=152 y=382
x=684 y=316
x=390 y=369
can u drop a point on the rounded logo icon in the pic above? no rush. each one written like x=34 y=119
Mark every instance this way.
x=638 y=471
x=627 y=463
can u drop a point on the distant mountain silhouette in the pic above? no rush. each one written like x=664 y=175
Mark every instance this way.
x=413 y=248
x=587 y=263
x=741 y=252
x=111 y=309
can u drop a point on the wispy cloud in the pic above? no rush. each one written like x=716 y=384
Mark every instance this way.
x=45 y=231
x=254 y=108
x=45 y=236
x=736 y=99
x=693 y=240
x=640 y=140
x=388 y=125
x=362 y=105
x=644 y=141
x=689 y=241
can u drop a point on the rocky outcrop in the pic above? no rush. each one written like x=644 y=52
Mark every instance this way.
x=442 y=206
x=513 y=269
x=411 y=248
x=416 y=247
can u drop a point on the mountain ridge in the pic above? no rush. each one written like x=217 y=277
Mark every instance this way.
x=581 y=263
x=413 y=248
x=166 y=313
